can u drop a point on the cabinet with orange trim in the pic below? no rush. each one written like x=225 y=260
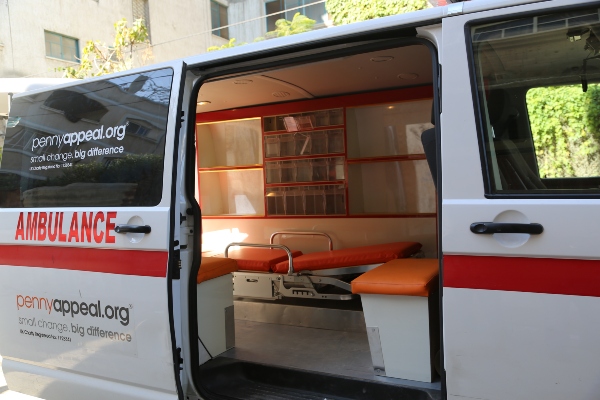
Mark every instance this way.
x=361 y=158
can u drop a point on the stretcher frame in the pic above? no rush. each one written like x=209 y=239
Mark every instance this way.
x=298 y=284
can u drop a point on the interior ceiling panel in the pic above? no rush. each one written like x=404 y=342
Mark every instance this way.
x=380 y=70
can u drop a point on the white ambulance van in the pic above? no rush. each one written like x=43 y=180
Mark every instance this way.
x=402 y=208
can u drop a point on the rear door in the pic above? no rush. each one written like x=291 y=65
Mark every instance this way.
x=86 y=197
x=521 y=201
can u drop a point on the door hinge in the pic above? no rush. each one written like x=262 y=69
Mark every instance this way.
x=176 y=271
x=179 y=358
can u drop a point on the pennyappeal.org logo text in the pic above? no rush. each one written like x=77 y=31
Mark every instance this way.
x=75 y=138
x=66 y=307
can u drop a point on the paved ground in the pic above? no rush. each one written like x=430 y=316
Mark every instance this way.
x=6 y=394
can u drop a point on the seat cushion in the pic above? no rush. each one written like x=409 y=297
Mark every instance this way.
x=407 y=277
x=363 y=255
x=214 y=267
x=259 y=259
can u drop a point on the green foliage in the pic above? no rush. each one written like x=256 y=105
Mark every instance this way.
x=299 y=24
x=227 y=45
x=99 y=59
x=565 y=125
x=347 y=11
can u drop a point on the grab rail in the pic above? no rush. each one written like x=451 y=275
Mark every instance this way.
x=303 y=233
x=268 y=246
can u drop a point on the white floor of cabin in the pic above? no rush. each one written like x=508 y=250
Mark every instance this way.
x=317 y=350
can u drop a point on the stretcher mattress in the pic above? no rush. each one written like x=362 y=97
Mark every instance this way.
x=259 y=259
x=406 y=277
x=214 y=267
x=365 y=255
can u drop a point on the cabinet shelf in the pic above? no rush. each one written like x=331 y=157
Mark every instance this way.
x=338 y=182
x=229 y=143
x=320 y=128
x=303 y=121
x=406 y=157
x=357 y=161
x=328 y=155
x=316 y=200
x=233 y=168
x=304 y=144
x=232 y=192
x=307 y=170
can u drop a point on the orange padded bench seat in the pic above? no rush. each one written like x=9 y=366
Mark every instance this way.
x=407 y=277
x=214 y=267
x=400 y=306
x=259 y=259
x=365 y=255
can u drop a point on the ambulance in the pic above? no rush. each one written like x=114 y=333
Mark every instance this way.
x=402 y=208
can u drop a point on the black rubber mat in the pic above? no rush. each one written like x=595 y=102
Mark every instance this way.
x=243 y=380
x=259 y=391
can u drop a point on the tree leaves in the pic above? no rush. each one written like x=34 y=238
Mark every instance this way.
x=130 y=45
x=348 y=11
x=299 y=24
x=566 y=130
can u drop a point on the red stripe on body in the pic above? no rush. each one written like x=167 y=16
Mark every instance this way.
x=110 y=261
x=521 y=274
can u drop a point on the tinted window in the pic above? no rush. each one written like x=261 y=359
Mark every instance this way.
x=539 y=102
x=96 y=144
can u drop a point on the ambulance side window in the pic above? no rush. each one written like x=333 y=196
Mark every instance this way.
x=97 y=144
x=538 y=90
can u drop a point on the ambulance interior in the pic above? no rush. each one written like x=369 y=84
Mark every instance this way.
x=324 y=158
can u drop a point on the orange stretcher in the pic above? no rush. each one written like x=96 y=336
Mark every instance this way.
x=273 y=271
x=344 y=258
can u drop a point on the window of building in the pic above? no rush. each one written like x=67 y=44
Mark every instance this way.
x=60 y=46
x=141 y=10
x=218 y=15
x=137 y=129
x=278 y=9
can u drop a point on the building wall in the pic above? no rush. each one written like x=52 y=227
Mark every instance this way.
x=177 y=30
x=183 y=30
x=22 y=25
x=247 y=10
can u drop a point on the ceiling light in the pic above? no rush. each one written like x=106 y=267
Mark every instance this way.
x=281 y=94
x=382 y=58
x=409 y=76
x=203 y=102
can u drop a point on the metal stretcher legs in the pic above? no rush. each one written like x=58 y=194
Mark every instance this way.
x=304 y=286
x=276 y=286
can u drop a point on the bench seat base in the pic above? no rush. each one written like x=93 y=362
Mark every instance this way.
x=398 y=329
x=215 y=304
